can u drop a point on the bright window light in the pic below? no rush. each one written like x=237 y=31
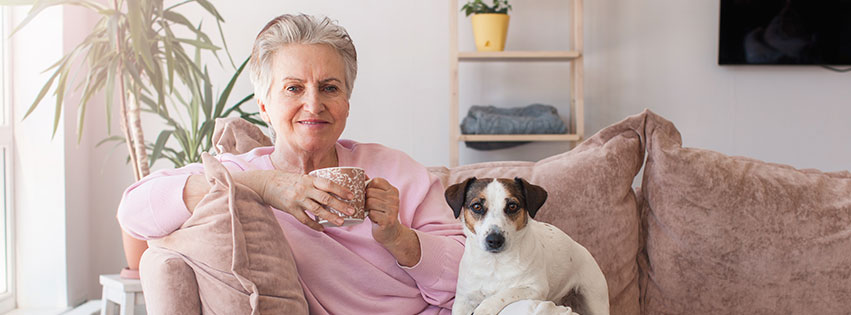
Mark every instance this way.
x=7 y=292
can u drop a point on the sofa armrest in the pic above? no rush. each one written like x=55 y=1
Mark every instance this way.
x=169 y=283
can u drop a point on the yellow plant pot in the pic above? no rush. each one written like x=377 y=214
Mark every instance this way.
x=489 y=30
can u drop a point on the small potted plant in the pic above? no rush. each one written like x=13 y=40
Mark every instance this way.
x=490 y=23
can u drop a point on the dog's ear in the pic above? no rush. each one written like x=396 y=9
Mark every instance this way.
x=455 y=195
x=535 y=195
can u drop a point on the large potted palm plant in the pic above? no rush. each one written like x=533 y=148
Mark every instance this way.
x=134 y=47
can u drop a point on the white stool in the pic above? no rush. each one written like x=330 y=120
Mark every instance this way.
x=120 y=294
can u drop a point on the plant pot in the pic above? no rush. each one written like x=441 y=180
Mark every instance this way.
x=489 y=30
x=133 y=249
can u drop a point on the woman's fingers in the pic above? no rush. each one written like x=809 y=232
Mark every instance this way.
x=321 y=194
x=378 y=218
x=321 y=212
x=377 y=205
x=302 y=217
x=329 y=200
x=325 y=192
x=380 y=211
x=332 y=187
x=380 y=183
x=308 y=194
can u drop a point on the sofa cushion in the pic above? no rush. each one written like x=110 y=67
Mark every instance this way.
x=236 y=136
x=233 y=243
x=733 y=235
x=590 y=198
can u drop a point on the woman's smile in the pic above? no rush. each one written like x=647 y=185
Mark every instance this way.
x=313 y=123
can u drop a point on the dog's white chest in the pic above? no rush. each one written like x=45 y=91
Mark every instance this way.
x=524 y=264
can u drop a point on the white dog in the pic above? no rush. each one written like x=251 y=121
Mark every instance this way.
x=511 y=257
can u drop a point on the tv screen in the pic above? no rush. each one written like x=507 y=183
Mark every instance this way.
x=797 y=32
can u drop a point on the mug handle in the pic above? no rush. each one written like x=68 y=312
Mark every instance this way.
x=365 y=185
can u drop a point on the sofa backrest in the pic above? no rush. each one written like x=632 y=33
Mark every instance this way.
x=734 y=235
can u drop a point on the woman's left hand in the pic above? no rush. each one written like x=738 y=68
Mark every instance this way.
x=382 y=202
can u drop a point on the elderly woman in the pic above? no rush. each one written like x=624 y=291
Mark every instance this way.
x=303 y=69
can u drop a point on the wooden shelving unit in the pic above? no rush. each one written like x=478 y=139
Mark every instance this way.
x=574 y=56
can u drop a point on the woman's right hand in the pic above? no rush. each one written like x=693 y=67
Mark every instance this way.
x=298 y=194
x=293 y=193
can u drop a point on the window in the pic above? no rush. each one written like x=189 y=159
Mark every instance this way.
x=7 y=292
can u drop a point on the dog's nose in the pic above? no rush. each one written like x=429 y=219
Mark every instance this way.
x=495 y=241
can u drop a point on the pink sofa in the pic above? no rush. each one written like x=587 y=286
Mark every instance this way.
x=705 y=234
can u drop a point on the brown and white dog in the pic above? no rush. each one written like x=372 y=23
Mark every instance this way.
x=511 y=257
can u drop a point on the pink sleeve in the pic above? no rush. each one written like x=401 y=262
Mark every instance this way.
x=437 y=271
x=441 y=244
x=153 y=207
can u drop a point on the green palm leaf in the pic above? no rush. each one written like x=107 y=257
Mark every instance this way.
x=135 y=43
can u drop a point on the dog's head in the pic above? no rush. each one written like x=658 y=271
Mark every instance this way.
x=494 y=209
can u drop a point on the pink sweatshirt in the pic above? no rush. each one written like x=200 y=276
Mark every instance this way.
x=343 y=270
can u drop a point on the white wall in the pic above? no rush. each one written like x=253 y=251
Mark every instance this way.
x=40 y=179
x=639 y=54
x=80 y=162
x=663 y=55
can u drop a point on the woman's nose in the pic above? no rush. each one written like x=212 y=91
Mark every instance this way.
x=312 y=102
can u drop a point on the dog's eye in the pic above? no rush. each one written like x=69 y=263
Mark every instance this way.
x=512 y=207
x=477 y=208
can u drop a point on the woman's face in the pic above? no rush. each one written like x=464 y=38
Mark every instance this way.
x=308 y=103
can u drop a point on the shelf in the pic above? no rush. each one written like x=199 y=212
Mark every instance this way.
x=513 y=138
x=554 y=55
x=572 y=56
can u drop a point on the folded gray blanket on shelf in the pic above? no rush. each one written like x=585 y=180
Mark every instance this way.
x=531 y=119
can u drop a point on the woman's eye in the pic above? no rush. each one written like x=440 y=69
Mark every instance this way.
x=293 y=88
x=331 y=89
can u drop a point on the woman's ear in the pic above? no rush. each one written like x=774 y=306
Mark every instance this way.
x=263 y=114
x=348 y=108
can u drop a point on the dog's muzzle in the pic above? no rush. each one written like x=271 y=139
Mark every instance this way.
x=494 y=242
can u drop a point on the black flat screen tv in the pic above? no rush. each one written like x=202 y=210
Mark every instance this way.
x=785 y=32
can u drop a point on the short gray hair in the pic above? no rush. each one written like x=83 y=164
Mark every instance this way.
x=298 y=29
